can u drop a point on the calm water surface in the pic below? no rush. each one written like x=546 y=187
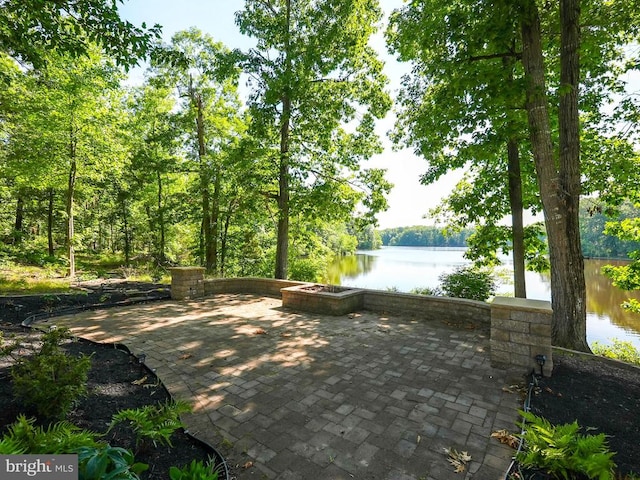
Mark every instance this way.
x=406 y=268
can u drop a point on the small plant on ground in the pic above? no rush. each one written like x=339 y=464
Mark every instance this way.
x=468 y=282
x=62 y=437
x=619 y=350
x=107 y=462
x=49 y=380
x=153 y=422
x=196 y=470
x=563 y=451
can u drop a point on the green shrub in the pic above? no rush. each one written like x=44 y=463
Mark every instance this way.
x=107 y=462
x=561 y=450
x=62 y=437
x=426 y=291
x=619 y=350
x=50 y=381
x=196 y=470
x=468 y=282
x=153 y=422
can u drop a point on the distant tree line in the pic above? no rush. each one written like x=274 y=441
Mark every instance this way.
x=424 y=236
x=593 y=221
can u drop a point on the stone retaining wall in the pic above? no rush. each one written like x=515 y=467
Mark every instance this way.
x=261 y=286
x=520 y=331
x=427 y=307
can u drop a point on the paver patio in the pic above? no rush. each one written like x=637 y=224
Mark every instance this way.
x=308 y=396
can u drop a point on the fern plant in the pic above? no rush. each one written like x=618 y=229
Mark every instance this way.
x=108 y=463
x=50 y=381
x=153 y=422
x=562 y=450
x=196 y=470
x=62 y=437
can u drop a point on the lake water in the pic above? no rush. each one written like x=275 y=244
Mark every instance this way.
x=405 y=268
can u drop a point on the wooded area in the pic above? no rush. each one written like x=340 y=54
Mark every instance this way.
x=529 y=98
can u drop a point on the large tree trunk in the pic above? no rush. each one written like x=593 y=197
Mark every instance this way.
x=559 y=188
x=517 y=222
x=282 y=246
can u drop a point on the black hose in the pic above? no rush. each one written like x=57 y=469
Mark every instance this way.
x=526 y=408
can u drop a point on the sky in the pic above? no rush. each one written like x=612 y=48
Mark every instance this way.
x=408 y=201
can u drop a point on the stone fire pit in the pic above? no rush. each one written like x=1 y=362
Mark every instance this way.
x=327 y=299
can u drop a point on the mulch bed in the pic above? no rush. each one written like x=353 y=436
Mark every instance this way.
x=602 y=396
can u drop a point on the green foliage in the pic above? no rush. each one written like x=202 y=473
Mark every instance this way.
x=28 y=28
x=620 y=350
x=468 y=282
x=153 y=422
x=426 y=291
x=108 y=463
x=50 y=380
x=562 y=451
x=196 y=470
x=62 y=437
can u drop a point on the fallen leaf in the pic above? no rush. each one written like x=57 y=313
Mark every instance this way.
x=247 y=465
x=285 y=334
x=140 y=381
x=260 y=331
x=185 y=356
x=458 y=460
x=506 y=438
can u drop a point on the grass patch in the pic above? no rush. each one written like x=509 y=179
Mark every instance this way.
x=25 y=279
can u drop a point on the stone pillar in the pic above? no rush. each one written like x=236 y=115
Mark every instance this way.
x=520 y=331
x=187 y=282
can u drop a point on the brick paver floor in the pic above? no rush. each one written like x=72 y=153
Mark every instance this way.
x=307 y=396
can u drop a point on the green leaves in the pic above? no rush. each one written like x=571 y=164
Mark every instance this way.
x=563 y=451
x=31 y=28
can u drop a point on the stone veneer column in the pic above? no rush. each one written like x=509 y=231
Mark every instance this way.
x=521 y=330
x=187 y=282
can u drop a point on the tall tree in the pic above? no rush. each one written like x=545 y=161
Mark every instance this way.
x=68 y=133
x=469 y=67
x=558 y=176
x=463 y=107
x=210 y=118
x=317 y=87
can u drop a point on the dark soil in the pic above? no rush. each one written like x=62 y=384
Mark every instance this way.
x=116 y=380
x=600 y=395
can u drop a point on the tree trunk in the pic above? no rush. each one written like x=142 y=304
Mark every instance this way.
x=69 y=210
x=282 y=246
x=51 y=250
x=517 y=222
x=558 y=190
x=17 y=228
x=215 y=219
x=125 y=231
x=161 y=226
x=207 y=227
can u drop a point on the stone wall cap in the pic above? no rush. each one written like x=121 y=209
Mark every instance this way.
x=521 y=303
x=179 y=269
